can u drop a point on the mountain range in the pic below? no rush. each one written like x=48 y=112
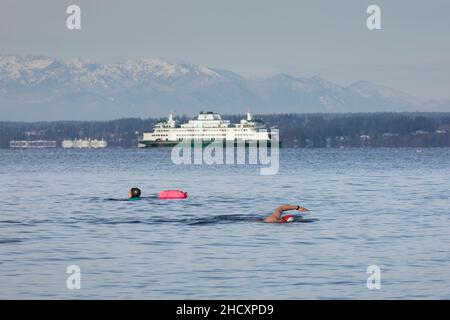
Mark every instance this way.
x=36 y=88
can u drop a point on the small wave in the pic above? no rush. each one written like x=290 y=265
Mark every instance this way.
x=11 y=221
x=123 y=199
x=13 y=240
x=186 y=220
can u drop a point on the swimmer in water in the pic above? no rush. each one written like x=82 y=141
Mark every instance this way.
x=276 y=215
x=134 y=194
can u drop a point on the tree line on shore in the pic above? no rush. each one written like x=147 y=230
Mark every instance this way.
x=296 y=130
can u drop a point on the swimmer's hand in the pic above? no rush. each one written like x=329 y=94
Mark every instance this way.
x=302 y=209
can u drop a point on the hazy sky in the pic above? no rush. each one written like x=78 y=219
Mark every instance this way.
x=251 y=37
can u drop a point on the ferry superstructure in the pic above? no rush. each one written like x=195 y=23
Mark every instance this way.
x=206 y=127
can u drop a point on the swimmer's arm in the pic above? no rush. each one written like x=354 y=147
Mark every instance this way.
x=278 y=211
x=276 y=215
x=287 y=207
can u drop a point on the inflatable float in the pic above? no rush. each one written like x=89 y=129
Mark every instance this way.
x=172 y=194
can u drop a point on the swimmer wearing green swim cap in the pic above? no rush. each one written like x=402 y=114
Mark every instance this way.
x=134 y=194
x=275 y=217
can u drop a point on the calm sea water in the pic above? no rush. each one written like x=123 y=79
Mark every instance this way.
x=385 y=207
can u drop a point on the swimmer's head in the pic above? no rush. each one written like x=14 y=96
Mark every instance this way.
x=287 y=218
x=134 y=193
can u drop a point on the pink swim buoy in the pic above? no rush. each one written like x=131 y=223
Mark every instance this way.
x=173 y=194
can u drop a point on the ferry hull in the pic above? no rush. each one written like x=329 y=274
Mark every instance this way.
x=159 y=144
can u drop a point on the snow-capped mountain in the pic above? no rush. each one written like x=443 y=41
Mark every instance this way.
x=43 y=88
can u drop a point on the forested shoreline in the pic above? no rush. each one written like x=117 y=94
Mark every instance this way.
x=296 y=130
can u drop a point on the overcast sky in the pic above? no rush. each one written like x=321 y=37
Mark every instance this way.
x=251 y=37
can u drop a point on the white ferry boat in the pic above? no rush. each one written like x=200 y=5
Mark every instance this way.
x=84 y=144
x=207 y=127
x=34 y=144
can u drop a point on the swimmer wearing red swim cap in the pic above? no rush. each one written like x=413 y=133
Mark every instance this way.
x=276 y=215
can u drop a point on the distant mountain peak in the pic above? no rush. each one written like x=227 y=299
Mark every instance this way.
x=371 y=91
x=44 y=88
x=325 y=83
x=282 y=77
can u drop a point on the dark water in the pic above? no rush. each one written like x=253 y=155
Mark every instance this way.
x=385 y=207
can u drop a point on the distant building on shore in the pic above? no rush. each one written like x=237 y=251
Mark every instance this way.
x=36 y=144
x=84 y=144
